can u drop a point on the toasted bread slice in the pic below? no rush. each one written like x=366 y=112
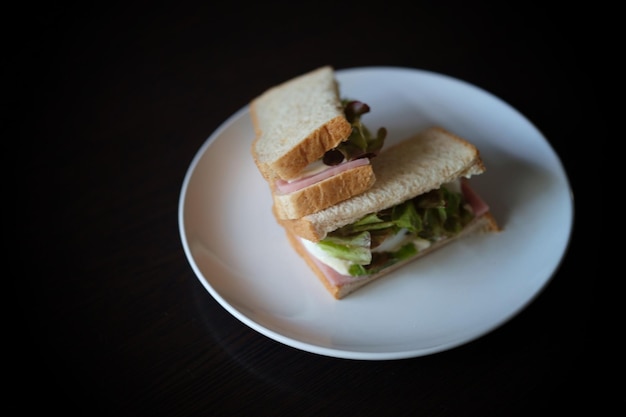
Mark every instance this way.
x=296 y=122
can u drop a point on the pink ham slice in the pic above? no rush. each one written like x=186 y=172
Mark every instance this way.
x=478 y=204
x=333 y=276
x=285 y=187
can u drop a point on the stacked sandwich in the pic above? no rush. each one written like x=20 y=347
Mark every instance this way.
x=351 y=208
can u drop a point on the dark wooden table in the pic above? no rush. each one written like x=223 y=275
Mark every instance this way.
x=112 y=104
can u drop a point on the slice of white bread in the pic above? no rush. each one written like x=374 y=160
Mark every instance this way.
x=412 y=167
x=482 y=224
x=323 y=194
x=296 y=122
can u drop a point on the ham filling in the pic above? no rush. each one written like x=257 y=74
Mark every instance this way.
x=285 y=187
x=473 y=199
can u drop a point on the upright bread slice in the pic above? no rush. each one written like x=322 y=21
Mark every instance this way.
x=296 y=122
x=412 y=167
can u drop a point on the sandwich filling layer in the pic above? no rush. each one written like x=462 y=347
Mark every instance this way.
x=380 y=240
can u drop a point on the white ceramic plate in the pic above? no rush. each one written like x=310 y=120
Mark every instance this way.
x=453 y=296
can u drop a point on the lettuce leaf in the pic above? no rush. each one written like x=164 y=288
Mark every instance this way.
x=354 y=248
x=361 y=143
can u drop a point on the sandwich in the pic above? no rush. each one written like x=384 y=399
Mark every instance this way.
x=421 y=201
x=311 y=145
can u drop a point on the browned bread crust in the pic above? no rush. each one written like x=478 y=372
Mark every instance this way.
x=312 y=148
x=324 y=193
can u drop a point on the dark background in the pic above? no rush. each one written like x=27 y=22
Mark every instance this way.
x=108 y=104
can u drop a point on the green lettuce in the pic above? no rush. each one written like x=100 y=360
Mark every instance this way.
x=433 y=215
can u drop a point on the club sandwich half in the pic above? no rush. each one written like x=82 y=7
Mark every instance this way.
x=311 y=145
x=421 y=200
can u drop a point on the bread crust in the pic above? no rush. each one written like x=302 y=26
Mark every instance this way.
x=310 y=149
x=483 y=224
x=296 y=122
x=323 y=194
